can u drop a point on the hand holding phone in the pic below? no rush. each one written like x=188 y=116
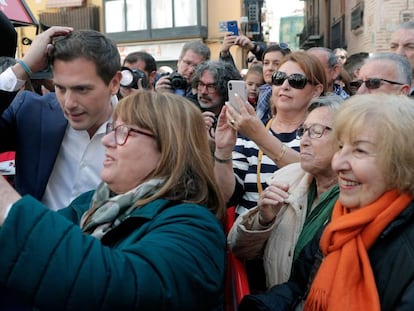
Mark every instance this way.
x=229 y=26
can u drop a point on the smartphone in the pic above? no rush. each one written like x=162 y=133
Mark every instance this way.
x=233 y=27
x=236 y=87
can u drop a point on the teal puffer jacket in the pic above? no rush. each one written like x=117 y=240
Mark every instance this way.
x=164 y=256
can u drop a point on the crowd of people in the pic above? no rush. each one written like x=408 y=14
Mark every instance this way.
x=124 y=174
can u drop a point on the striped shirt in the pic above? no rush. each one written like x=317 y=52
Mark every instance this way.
x=245 y=161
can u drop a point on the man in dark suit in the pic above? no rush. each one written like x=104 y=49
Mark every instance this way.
x=57 y=136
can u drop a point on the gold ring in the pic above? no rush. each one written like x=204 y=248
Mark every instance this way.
x=232 y=122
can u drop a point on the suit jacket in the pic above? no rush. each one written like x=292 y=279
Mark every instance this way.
x=34 y=127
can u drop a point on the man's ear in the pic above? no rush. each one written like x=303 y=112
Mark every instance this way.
x=405 y=89
x=152 y=77
x=336 y=69
x=114 y=84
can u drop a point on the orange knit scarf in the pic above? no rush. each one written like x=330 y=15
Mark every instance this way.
x=345 y=280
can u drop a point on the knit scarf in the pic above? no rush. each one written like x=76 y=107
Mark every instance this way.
x=317 y=217
x=106 y=210
x=345 y=280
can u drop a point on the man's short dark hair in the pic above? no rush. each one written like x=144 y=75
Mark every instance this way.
x=91 y=45
x=148 y=59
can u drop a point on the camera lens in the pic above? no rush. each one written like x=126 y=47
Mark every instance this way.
x=127 y=78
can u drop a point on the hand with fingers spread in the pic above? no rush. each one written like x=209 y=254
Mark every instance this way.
x=270 y=202
x=36 y=56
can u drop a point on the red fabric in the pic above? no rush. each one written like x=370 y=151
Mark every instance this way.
x=7 y=156
x=237 y=285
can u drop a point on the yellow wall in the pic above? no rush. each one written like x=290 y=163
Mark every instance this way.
x=219 y=10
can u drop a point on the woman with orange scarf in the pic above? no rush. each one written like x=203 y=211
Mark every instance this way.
x=365 y=259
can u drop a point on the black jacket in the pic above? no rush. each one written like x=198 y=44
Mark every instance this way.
x=392 y=261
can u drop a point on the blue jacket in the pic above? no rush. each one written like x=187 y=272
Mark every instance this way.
x=164 y=256
x=34 y=127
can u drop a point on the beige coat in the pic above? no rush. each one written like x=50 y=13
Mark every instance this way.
x=276 y=243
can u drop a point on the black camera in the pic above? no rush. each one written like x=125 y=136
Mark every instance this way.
x=177 y=81
x=130 y=78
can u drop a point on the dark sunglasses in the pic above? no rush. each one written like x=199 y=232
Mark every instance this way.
x=372 y=83
x=296 y=80
x=250 y=59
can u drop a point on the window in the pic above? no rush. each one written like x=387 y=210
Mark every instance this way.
x=161 y=14
x=135 y=20
x=136 y=17
x=185 y=13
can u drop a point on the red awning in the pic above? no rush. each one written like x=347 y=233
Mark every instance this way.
x=18 y=12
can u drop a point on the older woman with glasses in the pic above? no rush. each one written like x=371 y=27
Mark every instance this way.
x=297 y=202
x=363 y=259
x=244 y=162
x=148 y=238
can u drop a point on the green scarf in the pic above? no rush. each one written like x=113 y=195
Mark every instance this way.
x=318 y=217
x=107 y=210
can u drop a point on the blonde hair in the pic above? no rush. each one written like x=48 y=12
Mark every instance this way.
x=391 y=117
x=179 y=130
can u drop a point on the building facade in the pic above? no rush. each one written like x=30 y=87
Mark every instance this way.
x=357 y=25
x=159 y=27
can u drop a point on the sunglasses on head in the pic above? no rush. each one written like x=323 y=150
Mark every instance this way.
x=282 y=45
x=296 y=80
x=372 y=83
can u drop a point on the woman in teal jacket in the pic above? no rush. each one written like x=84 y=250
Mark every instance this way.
x=148 y=238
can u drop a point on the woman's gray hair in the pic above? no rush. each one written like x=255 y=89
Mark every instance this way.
x=331 y=101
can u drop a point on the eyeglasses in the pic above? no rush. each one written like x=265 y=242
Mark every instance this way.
x=372 y=83
x=122 y=132
x=341 y=56
x=296 y=80
x=188 y=63
x=315 y=130
x=211 y=88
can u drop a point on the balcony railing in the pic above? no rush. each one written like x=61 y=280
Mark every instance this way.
x=78 y=18
x=310 y=32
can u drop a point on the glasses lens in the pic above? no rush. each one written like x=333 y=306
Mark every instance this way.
x=297 y=80
x=373 y=83
x=355 y=84
x=300 y=131
x=278 y=77
x=316 y=131
x=121 y=134
x=109 y=127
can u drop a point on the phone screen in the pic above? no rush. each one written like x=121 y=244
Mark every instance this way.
x=232 y=27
